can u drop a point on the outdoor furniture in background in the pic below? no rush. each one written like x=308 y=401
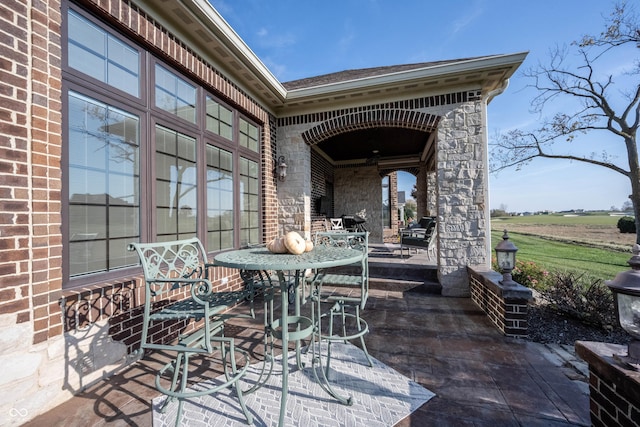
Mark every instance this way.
x=422 y=237
x=167 y=267
x=351 y=296
x=354 y=223
x=291 y=327
x=336 y=224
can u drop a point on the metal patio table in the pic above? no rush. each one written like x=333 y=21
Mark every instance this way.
x=262 y=259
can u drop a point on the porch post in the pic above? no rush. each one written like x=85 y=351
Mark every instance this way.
x=463 y=227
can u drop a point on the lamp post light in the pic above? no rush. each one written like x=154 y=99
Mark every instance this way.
x=506 y=257
x=281 y=169
x=626 y=295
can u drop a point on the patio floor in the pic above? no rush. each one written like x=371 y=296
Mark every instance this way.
x=448 y=345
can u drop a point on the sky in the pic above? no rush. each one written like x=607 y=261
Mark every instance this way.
x=298 y=38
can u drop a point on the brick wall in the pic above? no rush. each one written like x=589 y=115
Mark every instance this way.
x=57 y=341
x=614 y=388
x=30 y=144
x=505 y=307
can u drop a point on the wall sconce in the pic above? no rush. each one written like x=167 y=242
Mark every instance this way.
x=626 y=297
x=506 y=257
x=281 y=169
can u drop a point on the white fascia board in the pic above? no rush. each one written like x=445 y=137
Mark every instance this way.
x=232 y=40
x=402 y=77
x=240 y=47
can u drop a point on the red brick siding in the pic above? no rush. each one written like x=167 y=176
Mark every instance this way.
x=30 y=147
x=30 y=168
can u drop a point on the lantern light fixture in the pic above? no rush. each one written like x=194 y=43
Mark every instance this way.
x=506 y=257
x=281 y=169
x=626 y=297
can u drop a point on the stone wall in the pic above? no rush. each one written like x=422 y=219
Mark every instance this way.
x=459 y=180
x=356 y=191
x=462 y=205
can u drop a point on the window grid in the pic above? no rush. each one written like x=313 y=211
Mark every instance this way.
x=95 y=52
x=103 y=183
x=175 y=152
x=219 y=119
x=220 y=218
x=249 y=204
x=176 y=183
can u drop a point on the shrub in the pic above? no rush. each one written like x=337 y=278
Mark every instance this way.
x=528 y=274
x=581 y=297
x=627 y=224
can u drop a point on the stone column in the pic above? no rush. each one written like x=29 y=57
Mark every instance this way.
x=432 y=192
x=294 y=201
x=462 y=231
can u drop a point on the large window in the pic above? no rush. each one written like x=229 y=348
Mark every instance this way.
x=220 y=218
x=103 y=185
x=100 y=55
x=176 y=183
x=159 y=158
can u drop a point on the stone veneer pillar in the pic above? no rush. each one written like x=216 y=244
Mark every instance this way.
x=461 y=196
x=294 y=194
x=431 y=193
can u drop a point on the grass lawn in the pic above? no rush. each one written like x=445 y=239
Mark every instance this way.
x=562 y=253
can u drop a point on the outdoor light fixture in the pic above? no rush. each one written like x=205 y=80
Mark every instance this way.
x=281 y=169
x=626 y=297
x=506 y=256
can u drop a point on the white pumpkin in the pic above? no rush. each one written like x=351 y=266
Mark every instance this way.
x=294 y=243
x=277 y=246
x=308 y=245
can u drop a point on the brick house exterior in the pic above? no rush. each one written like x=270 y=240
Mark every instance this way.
x=64 y=321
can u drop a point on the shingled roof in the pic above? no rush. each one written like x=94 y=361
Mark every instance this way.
x=347 y=75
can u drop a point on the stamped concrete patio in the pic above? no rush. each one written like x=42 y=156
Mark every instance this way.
x=448 y=345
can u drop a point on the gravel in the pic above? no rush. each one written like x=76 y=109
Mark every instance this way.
x=548 y=326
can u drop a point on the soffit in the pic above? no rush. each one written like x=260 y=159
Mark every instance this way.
x=208 y=34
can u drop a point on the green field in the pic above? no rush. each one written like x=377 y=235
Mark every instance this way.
x=567 y=252
x=559 y=219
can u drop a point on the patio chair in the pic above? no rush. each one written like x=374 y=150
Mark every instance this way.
x=421 y=237
x=169 y=267
x=336 y=224
x=350 y=296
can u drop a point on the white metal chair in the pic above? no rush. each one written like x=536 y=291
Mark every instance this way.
x=336 y=224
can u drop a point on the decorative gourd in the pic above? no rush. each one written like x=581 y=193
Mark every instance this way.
x=308 y=245
x=294 y=243
x=277 y=246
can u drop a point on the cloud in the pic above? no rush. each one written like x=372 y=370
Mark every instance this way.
x=275 y=41
x=278 y=69
x=345 y=42
x=466 y=19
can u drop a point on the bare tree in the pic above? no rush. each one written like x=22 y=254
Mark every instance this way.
x=598 y=107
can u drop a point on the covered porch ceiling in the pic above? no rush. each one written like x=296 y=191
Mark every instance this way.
x=385 y=147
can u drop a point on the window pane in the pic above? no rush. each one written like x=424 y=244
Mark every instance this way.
x=103 y=182
x=219 y=199
x=175 y=95
x=249 y=213
x=248 y=136
x=176 y=198
x=95 y=52
x=219 y=119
